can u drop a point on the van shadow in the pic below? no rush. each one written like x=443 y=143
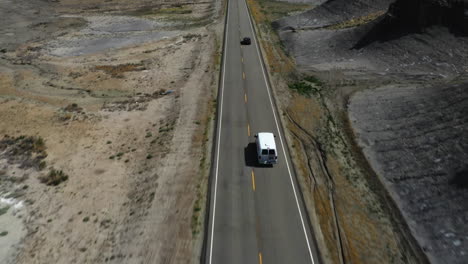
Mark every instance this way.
x=250 y=157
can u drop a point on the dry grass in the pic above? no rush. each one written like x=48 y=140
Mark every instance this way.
x=117 y=71
x=257 y=12
x=263 y=14
x=354 y=22
x=176 y=9
x=277 y=60
x=170 y=9
x=200 y=139
x=358 y=210
x=314 y=186
x=267 y=11
x=306 y=107
x=327 y=226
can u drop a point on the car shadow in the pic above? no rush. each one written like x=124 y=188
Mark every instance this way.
x=250 y=157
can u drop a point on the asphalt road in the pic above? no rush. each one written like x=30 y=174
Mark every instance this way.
x=256 y=213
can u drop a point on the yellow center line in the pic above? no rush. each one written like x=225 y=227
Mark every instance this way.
x=260 y=258
x=253 y=186
x=243 y=75
x=248 y=130
x=242 y=59
x=245 y=98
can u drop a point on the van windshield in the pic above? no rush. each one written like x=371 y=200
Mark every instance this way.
x=272 y=152
x=264 y=152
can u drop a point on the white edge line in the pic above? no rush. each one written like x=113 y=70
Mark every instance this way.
x=219 y=132
x=280 y=136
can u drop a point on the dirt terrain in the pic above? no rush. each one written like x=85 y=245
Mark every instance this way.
x=106 y=110
x=373 y=94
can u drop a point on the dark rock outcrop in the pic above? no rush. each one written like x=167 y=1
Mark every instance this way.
x=414 y=16
x=419 y=14
x=460 y=179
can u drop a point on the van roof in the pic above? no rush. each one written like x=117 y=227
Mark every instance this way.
x=266 y=140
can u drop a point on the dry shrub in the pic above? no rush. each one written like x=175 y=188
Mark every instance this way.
x=117 y=71
x=26 y=151
x=73 y=108
x=54 y=177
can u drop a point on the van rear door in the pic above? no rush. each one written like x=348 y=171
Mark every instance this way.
x=272 y=156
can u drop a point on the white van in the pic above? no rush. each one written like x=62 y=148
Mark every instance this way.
x=266 y=148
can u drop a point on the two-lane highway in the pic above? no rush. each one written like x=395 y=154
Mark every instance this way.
x=256 y=213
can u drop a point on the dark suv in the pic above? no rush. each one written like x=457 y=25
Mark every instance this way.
x=245 y=41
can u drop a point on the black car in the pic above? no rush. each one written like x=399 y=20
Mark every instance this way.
x=245 y=41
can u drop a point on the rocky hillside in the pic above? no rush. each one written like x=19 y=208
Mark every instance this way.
x=398 y=71
x=401 y=15
x=415 y=138
x=332 y=12
x=405 y=17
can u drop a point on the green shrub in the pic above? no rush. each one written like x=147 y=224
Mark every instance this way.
x=4 y=210
x=310 y=85
x=38 y=144
x=302 y=88
x=42 y=165
x=314 y=80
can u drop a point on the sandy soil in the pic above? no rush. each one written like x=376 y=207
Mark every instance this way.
x=121 y=98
